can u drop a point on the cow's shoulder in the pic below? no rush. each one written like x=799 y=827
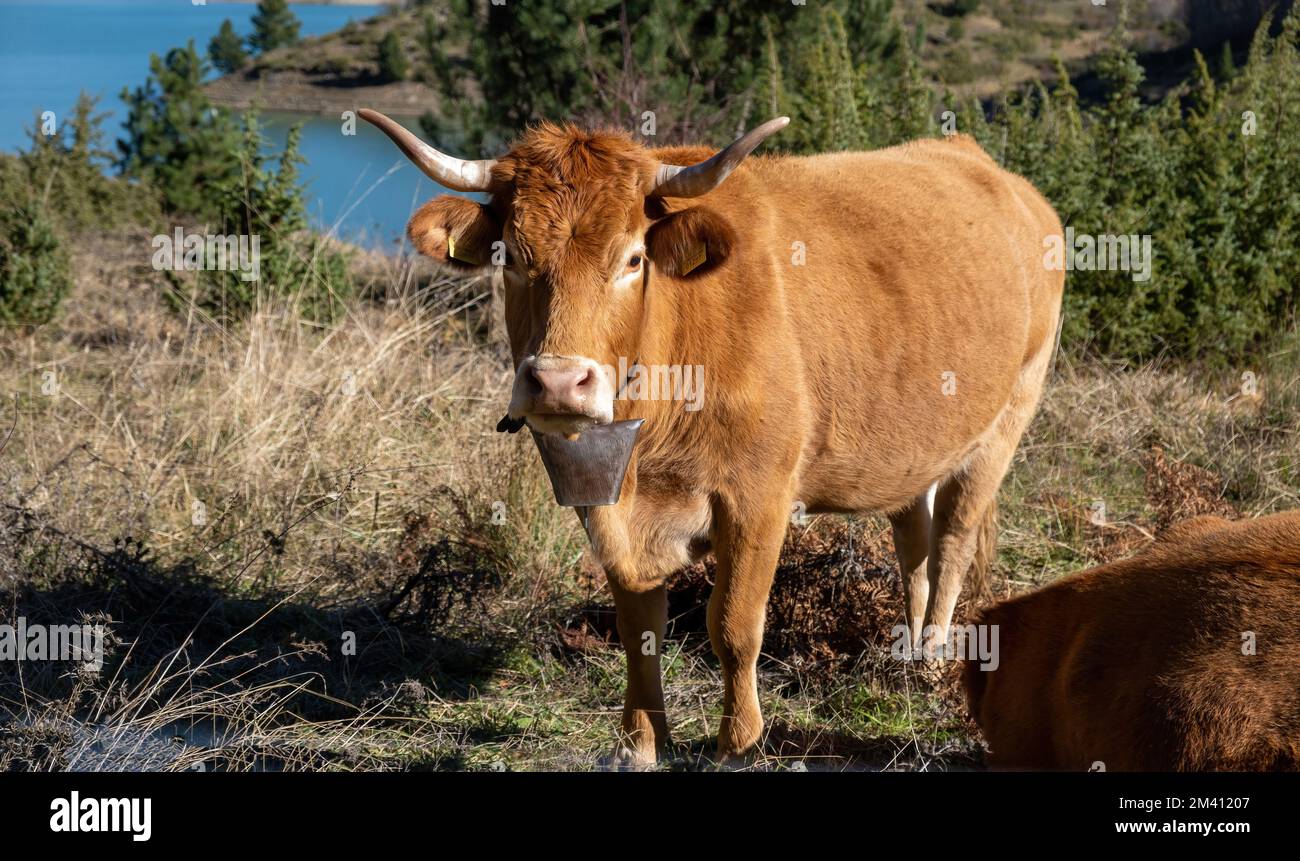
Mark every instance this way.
x=960 y=147
x=965 y=142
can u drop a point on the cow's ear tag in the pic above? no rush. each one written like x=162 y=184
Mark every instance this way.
x=696 y=258
x=462 y=256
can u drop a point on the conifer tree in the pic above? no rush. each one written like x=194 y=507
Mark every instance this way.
x=393 y=65
x=274 y=26
x=226 y=50
x=175 y=138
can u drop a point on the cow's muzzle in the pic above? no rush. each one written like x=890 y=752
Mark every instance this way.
x=562 y=394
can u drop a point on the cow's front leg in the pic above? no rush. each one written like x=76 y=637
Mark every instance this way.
x=747 y=545
x=642 y=624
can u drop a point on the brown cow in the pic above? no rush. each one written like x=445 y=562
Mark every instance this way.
x=1185 y=657
x=874 y=328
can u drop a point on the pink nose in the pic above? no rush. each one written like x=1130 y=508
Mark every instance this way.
x=561 y=390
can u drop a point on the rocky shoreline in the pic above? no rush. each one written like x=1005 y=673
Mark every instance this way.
x=320 y=95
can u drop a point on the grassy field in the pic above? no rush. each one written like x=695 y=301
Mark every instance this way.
x=313 y=552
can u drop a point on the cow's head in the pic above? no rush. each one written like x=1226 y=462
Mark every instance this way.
x=578 y=224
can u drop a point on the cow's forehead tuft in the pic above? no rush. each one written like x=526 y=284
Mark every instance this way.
x=573 y=156
x=573 y=193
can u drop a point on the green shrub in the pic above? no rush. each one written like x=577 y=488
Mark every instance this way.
x=840 y=102
x=1221 y=206
x=50 y=196
x=35 y=273
x=68 y=169
x=294 y=263
x=697 y=65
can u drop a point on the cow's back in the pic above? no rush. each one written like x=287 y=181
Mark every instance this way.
x=1181 y=658
x=916 y=295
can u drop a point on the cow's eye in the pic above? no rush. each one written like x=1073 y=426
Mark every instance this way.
x=634 y=262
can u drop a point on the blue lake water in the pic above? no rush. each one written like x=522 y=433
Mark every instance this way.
x=51 y=50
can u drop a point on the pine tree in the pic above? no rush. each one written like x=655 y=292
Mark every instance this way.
x=175 y=138
x=35 y=267
x=70 y=165
x=393 y=65
x=843 y=128
x=1227 y=67
x=227 y=50
x=909 y=98
x=274 y=26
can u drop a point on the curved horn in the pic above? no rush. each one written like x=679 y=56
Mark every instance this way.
x=457 y=174
x=675 y=181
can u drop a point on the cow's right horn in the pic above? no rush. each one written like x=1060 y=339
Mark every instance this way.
x=677 y=181
x=457 y=174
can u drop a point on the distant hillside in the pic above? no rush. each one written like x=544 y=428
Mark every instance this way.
x=972 y=47
x=335 y=72
x=984 y=46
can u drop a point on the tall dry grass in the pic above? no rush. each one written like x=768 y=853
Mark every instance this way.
x=225 y=445
x=276 y=462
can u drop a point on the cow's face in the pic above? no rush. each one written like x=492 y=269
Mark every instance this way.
x=577 y=223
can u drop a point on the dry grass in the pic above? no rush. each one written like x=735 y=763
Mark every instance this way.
x=1117 y=453
x=238 y=505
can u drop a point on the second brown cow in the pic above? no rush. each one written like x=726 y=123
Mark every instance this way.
x=1185 y=657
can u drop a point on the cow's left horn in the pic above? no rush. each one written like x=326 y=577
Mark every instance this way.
x=676 y=181
x=457 y=174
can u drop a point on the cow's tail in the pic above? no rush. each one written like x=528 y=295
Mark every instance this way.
x=978 y=579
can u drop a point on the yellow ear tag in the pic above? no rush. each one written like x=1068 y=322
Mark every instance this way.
x=451 y=250
x=698 y=255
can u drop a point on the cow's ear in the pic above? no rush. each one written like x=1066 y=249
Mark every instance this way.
x=455 y=231
x=690 y=242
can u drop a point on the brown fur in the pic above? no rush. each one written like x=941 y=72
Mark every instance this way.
x=1138 y=664
x=824 y=377
x=986 y=549
x=469 y=224
x=673 y=241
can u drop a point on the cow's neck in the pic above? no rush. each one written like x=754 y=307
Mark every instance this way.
x=663 y=344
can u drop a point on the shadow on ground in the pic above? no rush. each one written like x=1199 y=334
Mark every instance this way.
x=194 y=656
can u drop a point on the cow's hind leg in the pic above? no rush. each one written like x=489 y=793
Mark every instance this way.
x=642 y=624
x=960 y=507
x=965 y=504
x=911 y=528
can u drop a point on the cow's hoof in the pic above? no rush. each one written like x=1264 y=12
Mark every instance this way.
x=625 y=758
x=732 y=756
x=930 y=671
x=735 y=761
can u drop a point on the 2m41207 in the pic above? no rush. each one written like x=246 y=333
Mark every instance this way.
x=1240 y=803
